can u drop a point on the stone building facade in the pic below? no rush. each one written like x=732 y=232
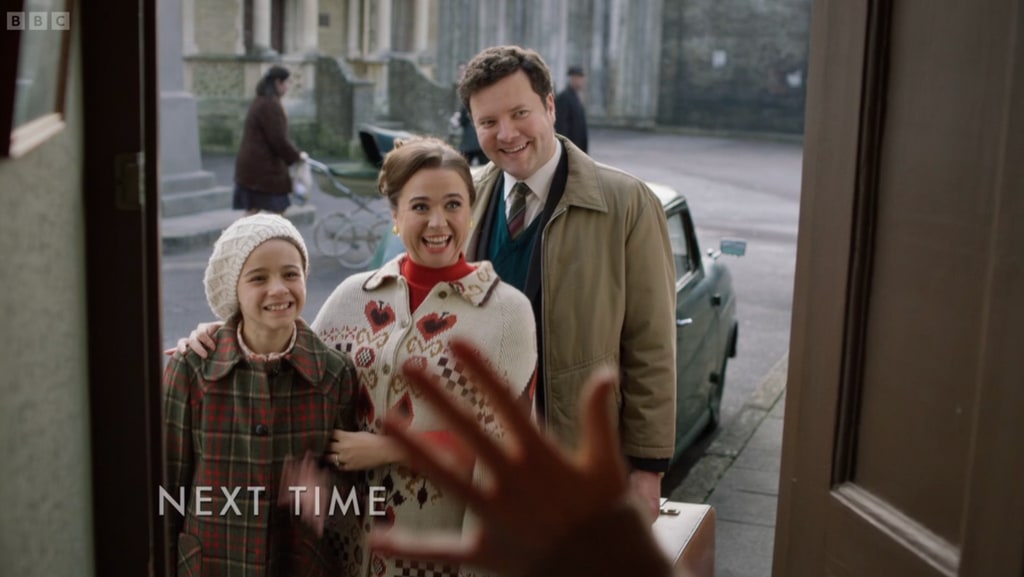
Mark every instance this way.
x=716 y=65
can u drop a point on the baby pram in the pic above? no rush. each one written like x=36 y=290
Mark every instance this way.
x=352 y=238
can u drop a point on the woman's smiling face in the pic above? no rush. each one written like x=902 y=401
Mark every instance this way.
x=433 y=216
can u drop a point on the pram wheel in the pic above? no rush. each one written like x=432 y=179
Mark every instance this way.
x=352 y=243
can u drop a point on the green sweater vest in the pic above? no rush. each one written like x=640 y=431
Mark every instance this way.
x=511 y=258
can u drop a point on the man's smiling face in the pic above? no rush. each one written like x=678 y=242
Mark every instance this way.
x=516 y=127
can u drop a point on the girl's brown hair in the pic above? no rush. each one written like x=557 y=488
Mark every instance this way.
x=412 y=155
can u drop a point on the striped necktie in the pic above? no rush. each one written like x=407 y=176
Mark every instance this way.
x=517 y=214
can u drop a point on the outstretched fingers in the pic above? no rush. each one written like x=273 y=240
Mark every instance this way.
x=465 y=424
x=497 y=393
x=423 y=458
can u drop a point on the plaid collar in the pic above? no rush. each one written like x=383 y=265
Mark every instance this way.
x=475 y=288
x=306 y=356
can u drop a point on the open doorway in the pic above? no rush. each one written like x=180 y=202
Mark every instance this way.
x=851 y=134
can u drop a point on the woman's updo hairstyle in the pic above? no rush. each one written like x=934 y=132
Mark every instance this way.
x=410 y=155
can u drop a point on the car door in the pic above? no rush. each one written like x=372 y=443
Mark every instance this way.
x=695 y=321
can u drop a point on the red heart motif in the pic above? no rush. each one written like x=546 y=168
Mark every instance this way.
x=379 y=316
x=434 y=324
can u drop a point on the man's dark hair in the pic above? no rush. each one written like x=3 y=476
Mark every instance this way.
x=267 y=85
x=498 y=62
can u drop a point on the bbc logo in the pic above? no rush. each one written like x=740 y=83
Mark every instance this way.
x=39 y=21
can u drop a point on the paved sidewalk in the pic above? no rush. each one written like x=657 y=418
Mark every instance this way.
x=739 y=476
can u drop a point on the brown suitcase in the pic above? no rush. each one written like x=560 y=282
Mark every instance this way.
x=686 y=533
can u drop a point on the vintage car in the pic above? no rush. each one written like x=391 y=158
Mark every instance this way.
x=706 y=325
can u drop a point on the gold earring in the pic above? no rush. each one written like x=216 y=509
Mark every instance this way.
x=470 y=223
x=394 y=230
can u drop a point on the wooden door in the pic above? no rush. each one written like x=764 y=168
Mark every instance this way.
x=118 y=104
x=903 y=448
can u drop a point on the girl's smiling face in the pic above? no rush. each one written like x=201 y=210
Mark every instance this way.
x=272 y=287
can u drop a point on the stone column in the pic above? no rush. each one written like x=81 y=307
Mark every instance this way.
x=181 y=172
x=421 y=23
x=310 y=26
x=383 y=43
x=354 y=28
x=261 y=26
x=188 y=25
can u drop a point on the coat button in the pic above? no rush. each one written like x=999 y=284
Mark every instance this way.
x=260 y=430
x=387 y=369
x=443 y=294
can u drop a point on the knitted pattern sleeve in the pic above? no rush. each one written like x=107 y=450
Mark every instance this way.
x=516 y=360
x=516 y=356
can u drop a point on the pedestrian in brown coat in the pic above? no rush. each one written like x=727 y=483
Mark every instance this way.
x=262 y=181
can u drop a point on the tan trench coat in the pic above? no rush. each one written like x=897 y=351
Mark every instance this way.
x=608 y=295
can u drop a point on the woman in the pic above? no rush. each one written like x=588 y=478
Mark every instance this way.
x=262 y=181
x=407 y=312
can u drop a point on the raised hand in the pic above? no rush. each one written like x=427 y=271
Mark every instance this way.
x=537 y=493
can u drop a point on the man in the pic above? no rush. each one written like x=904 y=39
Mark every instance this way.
x=588 y=244
x=570 y=116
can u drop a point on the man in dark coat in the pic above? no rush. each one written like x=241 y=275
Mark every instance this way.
x=469 y=146
x=570 y=117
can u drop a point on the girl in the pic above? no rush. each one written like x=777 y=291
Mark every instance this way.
x=271 y=390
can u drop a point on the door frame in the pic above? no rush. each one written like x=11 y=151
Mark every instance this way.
x=120 y=200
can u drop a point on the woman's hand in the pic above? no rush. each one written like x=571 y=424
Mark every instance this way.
x=358 y=451
x=537 y=494
x=199 y=340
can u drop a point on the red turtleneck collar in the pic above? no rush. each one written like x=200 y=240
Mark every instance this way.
x=423 y=278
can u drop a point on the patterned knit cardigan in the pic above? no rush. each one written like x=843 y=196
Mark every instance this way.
x=368 y=317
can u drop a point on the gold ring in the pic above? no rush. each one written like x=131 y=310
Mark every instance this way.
x=337 y=461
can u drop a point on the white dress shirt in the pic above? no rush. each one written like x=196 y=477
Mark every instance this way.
x=539 y=183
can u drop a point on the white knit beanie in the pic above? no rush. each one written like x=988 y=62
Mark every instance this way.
x=233 y=248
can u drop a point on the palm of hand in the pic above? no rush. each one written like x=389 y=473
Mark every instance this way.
x=535 y=492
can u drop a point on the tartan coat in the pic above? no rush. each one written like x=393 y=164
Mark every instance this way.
x=229 y=424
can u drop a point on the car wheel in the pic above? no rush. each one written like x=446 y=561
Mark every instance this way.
x=715 y=400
